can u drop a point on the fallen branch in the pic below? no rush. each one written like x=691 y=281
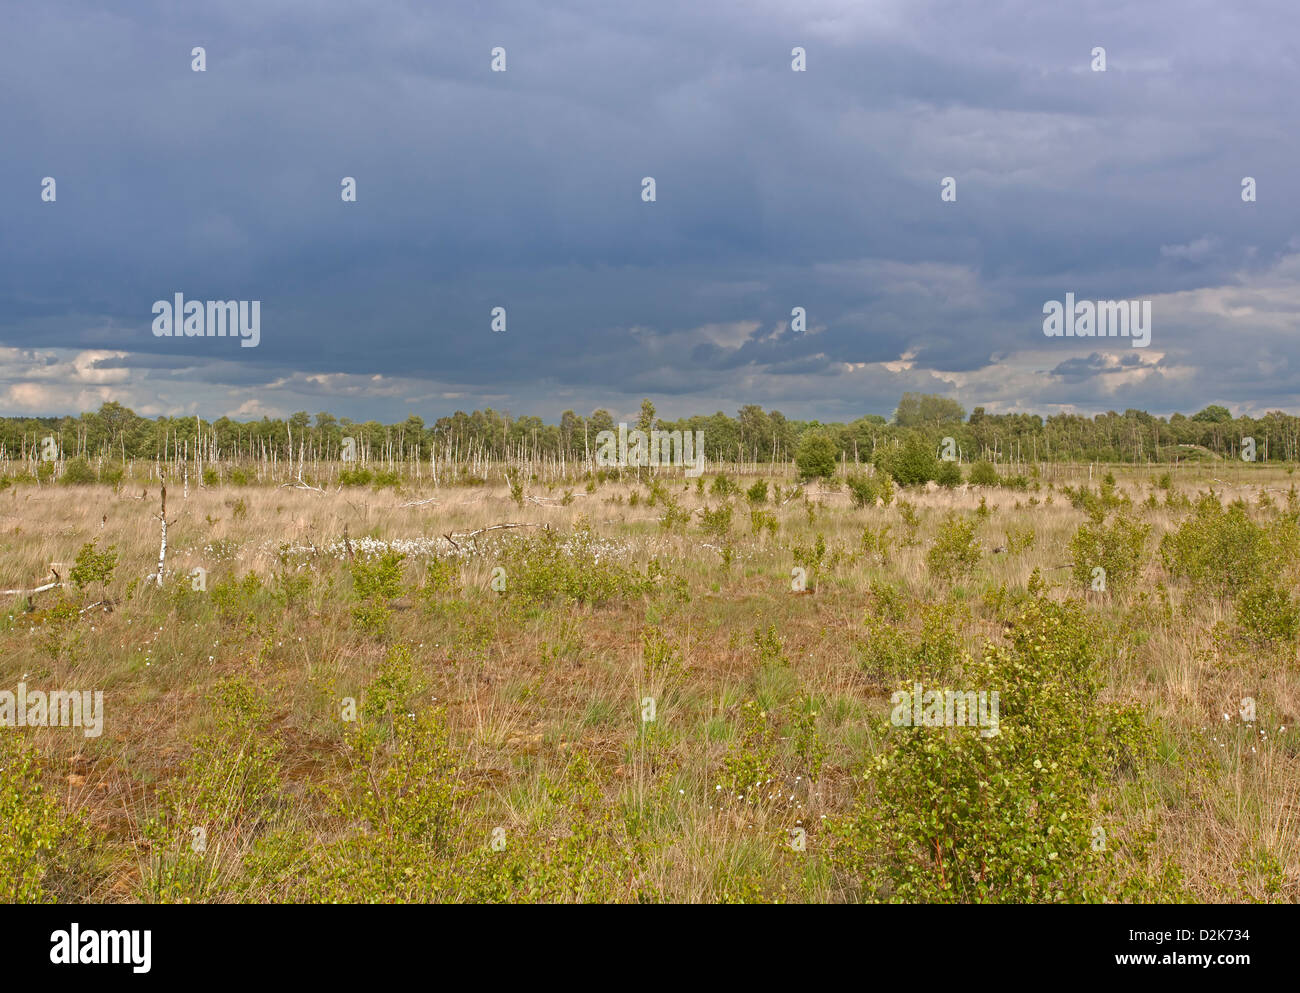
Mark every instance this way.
x=420 y=503
x=555 y=501
x=300 y=485
x=494 y=527
x=58 y=581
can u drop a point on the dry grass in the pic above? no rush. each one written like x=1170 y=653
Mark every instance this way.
x=528 y=689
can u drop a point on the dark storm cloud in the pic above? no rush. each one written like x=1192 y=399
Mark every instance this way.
x=775 y=189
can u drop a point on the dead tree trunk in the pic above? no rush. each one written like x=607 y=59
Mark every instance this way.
x=162 y=547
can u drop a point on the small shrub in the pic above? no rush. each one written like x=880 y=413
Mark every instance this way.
x=816 y=456
x=374 y=584
x=949 y=475
x=983 y=473
x=716 y=523
x=1117 y=549
x=77 y=472
x=93 y=566
x=955 y=551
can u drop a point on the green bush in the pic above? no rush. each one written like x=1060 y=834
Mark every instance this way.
x=716 y=523
x=723 y=486
x=77 y=472
x=1219 y=551
x=983 y=473
x=1116 y=549
x=374 y=584
x=955 y=551
x=577 y=568
x=1268 y=615
x=93 y=566
x=913 y=463
x=876 y=542
x=44 y=849
x=1009 y=817
x=949 y=474
x=816 y=456
x=238 y=601
x=749 y=765
x=862 y=489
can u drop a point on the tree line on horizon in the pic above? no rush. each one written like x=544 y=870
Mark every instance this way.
x=753 y=435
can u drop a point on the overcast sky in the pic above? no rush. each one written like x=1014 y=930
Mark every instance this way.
x=523 y=189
